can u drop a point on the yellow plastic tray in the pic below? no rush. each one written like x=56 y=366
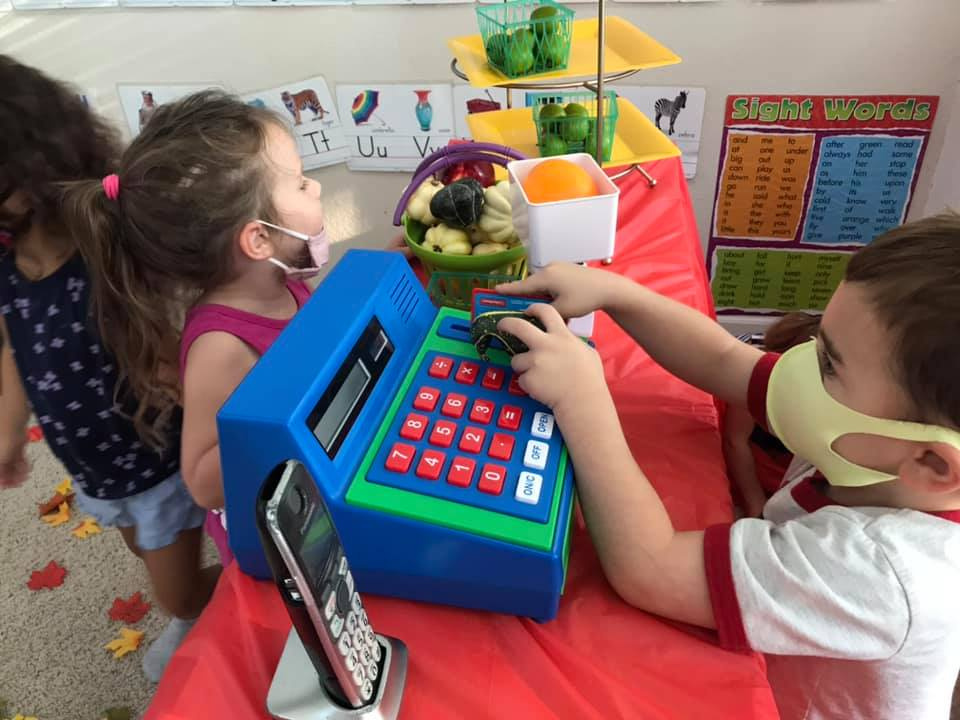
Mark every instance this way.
x=637 y=139
x=627 y=48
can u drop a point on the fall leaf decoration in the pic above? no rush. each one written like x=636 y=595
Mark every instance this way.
x=34 y=434
x=128 y=641
x=59 y=517
x=85 y=529
x=50 y=577
x=65 y=488
x=116 y=713
x=131 y=610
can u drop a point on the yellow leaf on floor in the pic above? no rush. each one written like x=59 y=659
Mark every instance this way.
x=128 y=641
x=23 y=717
x=65 y=488
x=85 y=529
x=59 y=517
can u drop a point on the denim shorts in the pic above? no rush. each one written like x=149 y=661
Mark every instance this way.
x=158 y=514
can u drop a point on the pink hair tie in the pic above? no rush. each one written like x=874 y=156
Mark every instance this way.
x=111 y=186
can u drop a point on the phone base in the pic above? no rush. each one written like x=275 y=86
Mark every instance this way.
x=296 y=692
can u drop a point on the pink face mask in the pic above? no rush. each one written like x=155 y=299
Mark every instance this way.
x=318 y=245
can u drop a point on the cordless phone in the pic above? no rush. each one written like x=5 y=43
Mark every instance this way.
x=314 y=579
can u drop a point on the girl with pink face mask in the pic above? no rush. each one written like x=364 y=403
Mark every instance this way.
x=201 y=244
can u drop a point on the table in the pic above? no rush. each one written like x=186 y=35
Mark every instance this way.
x=600 y=659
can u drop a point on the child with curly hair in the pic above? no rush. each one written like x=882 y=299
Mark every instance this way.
x=53 y=362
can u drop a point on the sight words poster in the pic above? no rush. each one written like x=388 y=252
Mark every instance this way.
x=804 y=181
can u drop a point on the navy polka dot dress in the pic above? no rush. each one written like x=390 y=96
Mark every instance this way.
x=70 y=382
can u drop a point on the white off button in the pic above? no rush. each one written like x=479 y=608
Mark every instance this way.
x=542 y=425
x=528 y=488
x=536 y=454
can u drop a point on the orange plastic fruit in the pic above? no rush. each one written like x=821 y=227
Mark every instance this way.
x=558 y=179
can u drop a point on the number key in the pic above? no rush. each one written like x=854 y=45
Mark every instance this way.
x=461 y=472
x=482 y=411
x=514 y=387
x=413 y=427
x=426 y=399
x=501 y=447
x=510 y=417
x=454 y=405
x=472 y=439
x=491 y=479
x=430 y=465
x=467 y=372
x=443 y=433
x=440 y=367
x=493 y=378
x=400 y=457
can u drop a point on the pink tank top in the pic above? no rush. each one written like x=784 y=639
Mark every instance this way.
x=255 y=330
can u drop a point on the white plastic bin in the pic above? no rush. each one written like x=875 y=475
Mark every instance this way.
x=576 y=230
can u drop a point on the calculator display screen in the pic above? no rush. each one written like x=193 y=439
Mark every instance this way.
x=333 y=419
x=343 y=400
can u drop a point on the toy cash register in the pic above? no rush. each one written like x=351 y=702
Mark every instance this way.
x=446 y=482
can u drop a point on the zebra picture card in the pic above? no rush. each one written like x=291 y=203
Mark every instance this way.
x=309 y=108
x=677 y=111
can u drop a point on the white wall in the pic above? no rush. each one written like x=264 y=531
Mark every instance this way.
x=897 y=46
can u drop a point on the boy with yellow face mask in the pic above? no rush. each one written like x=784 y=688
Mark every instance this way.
x=850 y=581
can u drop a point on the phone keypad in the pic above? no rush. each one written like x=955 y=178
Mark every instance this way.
x=350 y=629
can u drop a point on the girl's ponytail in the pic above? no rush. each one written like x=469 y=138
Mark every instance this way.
x=132 y=318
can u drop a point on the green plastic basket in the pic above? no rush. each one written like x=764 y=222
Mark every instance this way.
x=508 y=262
x=455 y=290
x=518 y=45
x=563 y=133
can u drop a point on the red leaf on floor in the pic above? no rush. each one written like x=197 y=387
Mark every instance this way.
x=48 y=578
x=34 y=434
x=129 y=611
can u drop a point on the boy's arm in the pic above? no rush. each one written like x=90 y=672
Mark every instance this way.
x=648 y=563
x=216 y=364
x=684 y=341
x=14 y=414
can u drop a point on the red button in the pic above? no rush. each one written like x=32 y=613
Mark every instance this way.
x=482 y=411
x=454 y=404
x=501 y=447
x=467 y=372
x=472 y=439
x=461 y=472
x=414 y=427
x=426 y=399
x=400 y=457
x=430 y=464
x=510 y=417
x=443 y=433
x=493 y=378
x=514 y=388
x=440 y=368
x=491 y=479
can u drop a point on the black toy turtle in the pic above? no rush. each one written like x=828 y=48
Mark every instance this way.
x=483 y=330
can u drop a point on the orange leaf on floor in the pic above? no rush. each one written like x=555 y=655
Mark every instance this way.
x=128 y=641
x=50 y=577
x=131 y=610
x=52 y=504
x=34 y=434
x=59 y=517
x=85 y=529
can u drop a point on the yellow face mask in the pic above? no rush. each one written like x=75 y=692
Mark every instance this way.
x=808 y=421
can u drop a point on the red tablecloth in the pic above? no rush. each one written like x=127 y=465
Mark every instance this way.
x=599 y=659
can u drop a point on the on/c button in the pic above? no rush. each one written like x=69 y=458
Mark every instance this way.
x=528 y=488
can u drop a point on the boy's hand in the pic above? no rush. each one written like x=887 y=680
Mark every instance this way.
x=559 y=370
x=576 y=290
x=14 y=469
